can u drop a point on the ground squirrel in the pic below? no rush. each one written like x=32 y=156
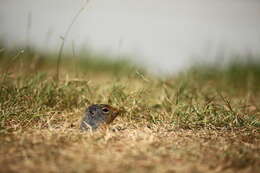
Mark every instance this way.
x=97 y=115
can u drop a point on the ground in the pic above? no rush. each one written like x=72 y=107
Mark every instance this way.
x=202 y=120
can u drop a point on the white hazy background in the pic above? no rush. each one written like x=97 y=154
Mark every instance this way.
x=163 y=35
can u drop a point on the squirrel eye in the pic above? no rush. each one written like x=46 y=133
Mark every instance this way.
x=105 y=109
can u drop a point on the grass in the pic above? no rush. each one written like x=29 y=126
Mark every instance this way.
x=203 y=120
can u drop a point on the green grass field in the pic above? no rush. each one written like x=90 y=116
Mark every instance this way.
x=206 y=119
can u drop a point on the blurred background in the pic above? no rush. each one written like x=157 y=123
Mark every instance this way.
x=165 y=36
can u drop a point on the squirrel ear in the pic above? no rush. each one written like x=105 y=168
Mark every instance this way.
x=91 y=112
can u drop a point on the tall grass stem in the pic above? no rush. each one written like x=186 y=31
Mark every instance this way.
x=64 y=39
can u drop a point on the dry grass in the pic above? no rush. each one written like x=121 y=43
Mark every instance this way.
x=181 y=124
x=136 y=149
